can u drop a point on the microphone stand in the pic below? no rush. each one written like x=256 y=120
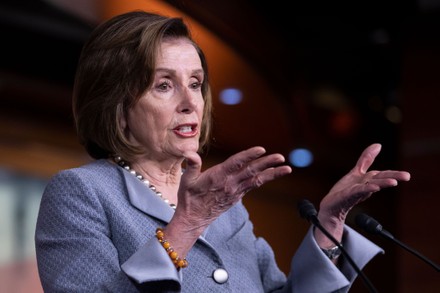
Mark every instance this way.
x=401 y=244
x=308 y=211
x=367 y=282
x=371 y=225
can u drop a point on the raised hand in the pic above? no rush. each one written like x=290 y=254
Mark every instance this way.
x=355 y=187
x=203 y=196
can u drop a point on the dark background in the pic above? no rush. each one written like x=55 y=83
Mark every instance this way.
x=343 y=74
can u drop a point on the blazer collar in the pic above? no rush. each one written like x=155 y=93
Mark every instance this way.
x=143 y=198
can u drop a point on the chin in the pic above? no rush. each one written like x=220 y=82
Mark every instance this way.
x=194 y=147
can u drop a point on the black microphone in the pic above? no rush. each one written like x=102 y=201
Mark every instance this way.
x=307 y=211
x=372 y=226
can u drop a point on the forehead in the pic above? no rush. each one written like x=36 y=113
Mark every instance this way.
x=178 y=51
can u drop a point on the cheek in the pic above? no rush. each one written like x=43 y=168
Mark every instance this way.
x=201 y=107
x=139 y=120
x=149 y=115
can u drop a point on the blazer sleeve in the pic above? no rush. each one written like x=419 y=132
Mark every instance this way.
x=312 y=270
x=158 y=268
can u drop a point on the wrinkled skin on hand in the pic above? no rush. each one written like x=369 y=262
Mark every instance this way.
x=204 y=196
x=355 y=187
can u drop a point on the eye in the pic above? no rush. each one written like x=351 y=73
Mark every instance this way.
x=164 y=86
x=196 y=85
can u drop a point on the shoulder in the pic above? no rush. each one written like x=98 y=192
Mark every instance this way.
x=94 y=170
x=99 y=174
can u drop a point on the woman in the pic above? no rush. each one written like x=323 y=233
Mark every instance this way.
x=143 y=216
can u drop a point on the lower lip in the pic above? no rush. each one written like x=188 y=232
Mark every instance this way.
x=186 y=134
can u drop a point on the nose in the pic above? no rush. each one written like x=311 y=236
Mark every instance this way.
x=187 y=102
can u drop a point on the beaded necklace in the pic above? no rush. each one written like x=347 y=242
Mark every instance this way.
x=127 y=167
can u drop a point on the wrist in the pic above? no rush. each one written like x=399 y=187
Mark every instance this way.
x=323 y=241
x=333 y=252
x=334 y=226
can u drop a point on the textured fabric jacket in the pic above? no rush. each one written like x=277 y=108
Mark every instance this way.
x=96 y=233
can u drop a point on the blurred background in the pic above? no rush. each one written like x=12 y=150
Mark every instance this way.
x=321 y=78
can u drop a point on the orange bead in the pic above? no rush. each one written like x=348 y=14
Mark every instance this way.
x=173 y=255
x=166 y=244
x=181 y=263
x=178 y=262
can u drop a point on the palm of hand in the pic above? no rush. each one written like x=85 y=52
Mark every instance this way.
x=359 y=184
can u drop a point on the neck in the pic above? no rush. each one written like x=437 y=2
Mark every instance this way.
x=166 y=177
x=164 y=185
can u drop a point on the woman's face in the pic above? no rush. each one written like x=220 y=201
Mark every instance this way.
x=167 y=119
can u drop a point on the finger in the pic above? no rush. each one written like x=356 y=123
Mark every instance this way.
x=261 y=178
x=367 y=157
x=398 y=175
x=270 y=174
x=258 y=172
x=255 y=167
x=193 y=164
x=383 y=183
x=237 y=161
x=367 y=188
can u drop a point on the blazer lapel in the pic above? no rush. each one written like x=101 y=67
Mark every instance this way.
x=143 y=198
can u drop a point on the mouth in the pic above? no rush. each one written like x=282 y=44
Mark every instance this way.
x=186 y=130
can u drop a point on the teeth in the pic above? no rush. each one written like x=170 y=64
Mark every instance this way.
x=185 y=129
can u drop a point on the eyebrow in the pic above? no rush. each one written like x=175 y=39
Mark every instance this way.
x=173 y=72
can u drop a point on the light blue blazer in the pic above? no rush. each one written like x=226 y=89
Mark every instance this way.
x=96 y=233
